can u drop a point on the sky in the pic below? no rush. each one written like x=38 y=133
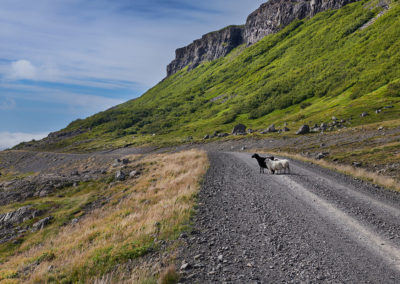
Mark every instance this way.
x=66 y=59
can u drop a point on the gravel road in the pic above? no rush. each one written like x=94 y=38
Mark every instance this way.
x=310 y=226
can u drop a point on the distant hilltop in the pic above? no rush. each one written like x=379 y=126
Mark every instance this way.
x=271 y=17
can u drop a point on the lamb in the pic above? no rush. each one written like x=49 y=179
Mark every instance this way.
x=261 y=162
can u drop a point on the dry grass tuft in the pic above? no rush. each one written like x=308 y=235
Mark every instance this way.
x=143 y=211
x=169 y=276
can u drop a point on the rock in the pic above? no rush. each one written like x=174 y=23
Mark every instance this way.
x=215 y=134
x=185 y=265
x=74 y=221
x=125 y=161
x=239 y=129
x=42 y=223
x=380 y=128
x=210 y=47
x=206 y=137
x=243 y=148
x=220 y=135
x=250 y=131
x=334 y=118
x=320 y=156
x=387 y=107
x=119 y=175
x=271 y=128
x=378 y=111
x=285 y=129
x=133 y=173
x=220 y=257
x=357 y=164
x=364 y=114
x=304 y=129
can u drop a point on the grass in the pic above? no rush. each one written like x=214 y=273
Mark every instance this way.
x=117 y=237
x=309 y=71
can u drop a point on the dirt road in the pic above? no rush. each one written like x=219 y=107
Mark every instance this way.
x=312 y=225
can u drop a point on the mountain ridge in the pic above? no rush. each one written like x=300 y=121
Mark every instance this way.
x=269 y=18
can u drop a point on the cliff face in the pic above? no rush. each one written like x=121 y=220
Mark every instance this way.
x=211 y=46
x=269 y=18
x=277 y=14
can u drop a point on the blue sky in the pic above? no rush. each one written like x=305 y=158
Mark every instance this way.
x=66 y=59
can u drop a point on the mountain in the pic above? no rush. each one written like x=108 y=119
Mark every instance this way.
x=292 y=63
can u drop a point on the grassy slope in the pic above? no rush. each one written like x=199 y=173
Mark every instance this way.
x=309 y=71
x=142 y=217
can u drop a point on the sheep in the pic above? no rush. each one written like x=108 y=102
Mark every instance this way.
x=276 y=165
x=285 y=165
x=261 y=162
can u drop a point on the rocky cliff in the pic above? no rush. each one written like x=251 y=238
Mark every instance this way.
x=269 y=18
x=211 y=46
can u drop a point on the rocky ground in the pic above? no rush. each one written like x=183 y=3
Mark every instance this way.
x=308 y=226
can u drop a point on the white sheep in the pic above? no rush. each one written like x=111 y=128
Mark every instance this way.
x=278 y=165
x=274 y=166
x=285 y=165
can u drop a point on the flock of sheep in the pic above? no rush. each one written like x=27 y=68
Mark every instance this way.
x=272 y=164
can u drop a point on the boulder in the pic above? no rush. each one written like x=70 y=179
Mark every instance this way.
x=364 y=114
x=285 y=129
x=41 y=223
x=206 y=137
x=323 y=126
x=125 y=161
x=220 y=135
x=119 y=175
x=304 y=129
x=239 y=129
x=271 y=128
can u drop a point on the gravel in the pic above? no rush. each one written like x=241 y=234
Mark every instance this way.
x=310 y=226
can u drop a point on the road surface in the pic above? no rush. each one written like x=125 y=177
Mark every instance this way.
x=312 y=226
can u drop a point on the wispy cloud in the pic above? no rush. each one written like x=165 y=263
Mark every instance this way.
x=88 y=55
x=8 y=140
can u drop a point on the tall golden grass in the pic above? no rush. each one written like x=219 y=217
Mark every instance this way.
x=141 y=211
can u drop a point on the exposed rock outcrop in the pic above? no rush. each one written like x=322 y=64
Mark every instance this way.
x=271 y=17
x=211 y=46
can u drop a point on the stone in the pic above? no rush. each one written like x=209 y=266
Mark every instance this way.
x=271 y=128
x=387 y=107
x=119 y=175
x=334 y=118
x=250 y=131
x=285 y=129
x=364 y=114
x=133 y=173
x=125 y=161
x=304 y=129
x=380 y=128
x=320 y=156
x=42 y=223
x=185 y=265
x=206 y=137
x=239 y=129
x=378 y=111
x=221 y=135
x=357 y=164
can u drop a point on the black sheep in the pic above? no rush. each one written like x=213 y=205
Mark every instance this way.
x=261 y=162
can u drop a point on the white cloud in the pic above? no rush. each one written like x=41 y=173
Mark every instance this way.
x=22 y=69
x=8 y=140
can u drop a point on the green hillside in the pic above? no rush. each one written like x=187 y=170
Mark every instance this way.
x=309 y=71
